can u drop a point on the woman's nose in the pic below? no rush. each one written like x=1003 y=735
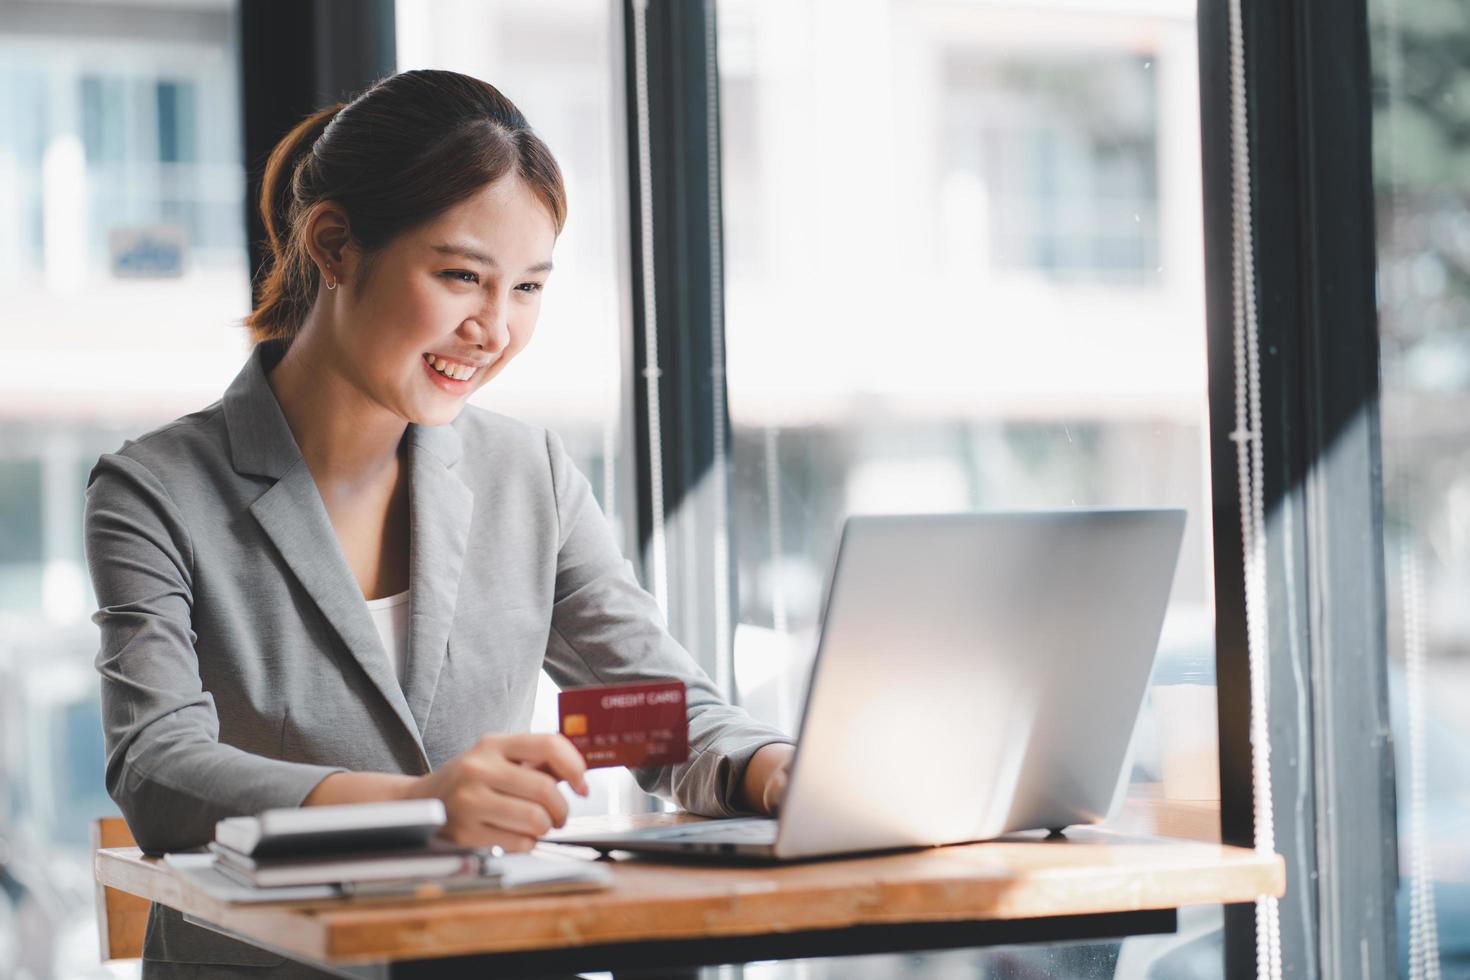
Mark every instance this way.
x=490 y=330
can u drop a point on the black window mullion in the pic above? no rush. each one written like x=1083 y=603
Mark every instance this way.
x=1307 y=74
x=295 y=58
x=692 y=425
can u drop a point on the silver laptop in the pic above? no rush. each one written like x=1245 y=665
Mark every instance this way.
x=977 y=674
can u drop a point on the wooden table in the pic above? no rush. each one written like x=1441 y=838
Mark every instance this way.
x=1092 y=884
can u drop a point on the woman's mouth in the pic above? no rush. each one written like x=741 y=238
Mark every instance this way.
x=450 y=368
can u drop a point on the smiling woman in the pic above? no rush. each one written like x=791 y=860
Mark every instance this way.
x=340 y=583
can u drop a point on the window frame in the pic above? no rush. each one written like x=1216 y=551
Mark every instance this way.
x=296 y=58
x=1309 y=110
x=676 y=370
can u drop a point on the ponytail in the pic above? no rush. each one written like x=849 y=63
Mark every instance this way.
x=291 y=277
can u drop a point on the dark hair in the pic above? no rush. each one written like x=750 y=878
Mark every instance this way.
x=400 y=154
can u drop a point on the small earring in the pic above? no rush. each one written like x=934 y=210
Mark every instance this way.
x=332 y=284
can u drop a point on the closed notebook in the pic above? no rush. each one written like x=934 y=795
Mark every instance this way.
x=434 y=860
x=315 y=830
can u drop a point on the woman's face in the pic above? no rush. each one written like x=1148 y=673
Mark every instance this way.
x=445 y=306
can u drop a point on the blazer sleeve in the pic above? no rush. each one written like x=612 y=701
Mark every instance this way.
x=166 y=768
x=606 y=629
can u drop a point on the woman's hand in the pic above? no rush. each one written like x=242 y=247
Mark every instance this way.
x=503 y=789
x=764 y=787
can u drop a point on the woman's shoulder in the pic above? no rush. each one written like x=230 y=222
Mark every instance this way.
x=162 y=475
x=188 y=443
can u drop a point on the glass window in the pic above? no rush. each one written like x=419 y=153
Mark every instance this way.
x=176 y=139
x=965 y=272
x=1050 y=161
x=117 y=121
x=102 y=119
x=1421 y=96
x=20 y=533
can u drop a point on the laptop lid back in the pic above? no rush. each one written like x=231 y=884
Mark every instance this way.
x=977 y=673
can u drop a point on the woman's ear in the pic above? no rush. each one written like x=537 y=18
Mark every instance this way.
x=328 y=240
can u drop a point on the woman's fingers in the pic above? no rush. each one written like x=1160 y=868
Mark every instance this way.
x=493 y=772
x=507 y=785
x=775 y=793
x=559 y=756
x=515 y=843
x=480 y=802
x=480 y=834
x=519 y=816
x=532 y=784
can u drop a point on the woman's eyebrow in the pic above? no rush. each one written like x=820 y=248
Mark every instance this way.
x=464 y=251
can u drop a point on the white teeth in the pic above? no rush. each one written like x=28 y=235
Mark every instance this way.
x=457 y=372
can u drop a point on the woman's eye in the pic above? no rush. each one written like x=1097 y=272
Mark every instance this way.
x=460 y=275
x=530 y=287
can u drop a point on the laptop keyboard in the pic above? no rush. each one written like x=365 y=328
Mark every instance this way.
x=752 y=831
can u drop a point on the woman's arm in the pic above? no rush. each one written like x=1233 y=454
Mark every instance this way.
x=359 y=787
x=607 y=629
x=166 y=768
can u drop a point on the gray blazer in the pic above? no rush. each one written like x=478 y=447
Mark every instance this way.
x=240 y=664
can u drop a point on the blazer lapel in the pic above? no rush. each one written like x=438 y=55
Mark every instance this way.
x=292 y=515
x=440 y=508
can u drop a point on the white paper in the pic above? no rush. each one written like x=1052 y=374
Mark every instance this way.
x=514 y=871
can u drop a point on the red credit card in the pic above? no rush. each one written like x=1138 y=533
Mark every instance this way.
x=627 y=724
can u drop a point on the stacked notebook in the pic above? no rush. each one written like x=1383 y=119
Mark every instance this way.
x=363 y=849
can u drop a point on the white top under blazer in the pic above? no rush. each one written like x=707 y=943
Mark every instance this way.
x=390 y=616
